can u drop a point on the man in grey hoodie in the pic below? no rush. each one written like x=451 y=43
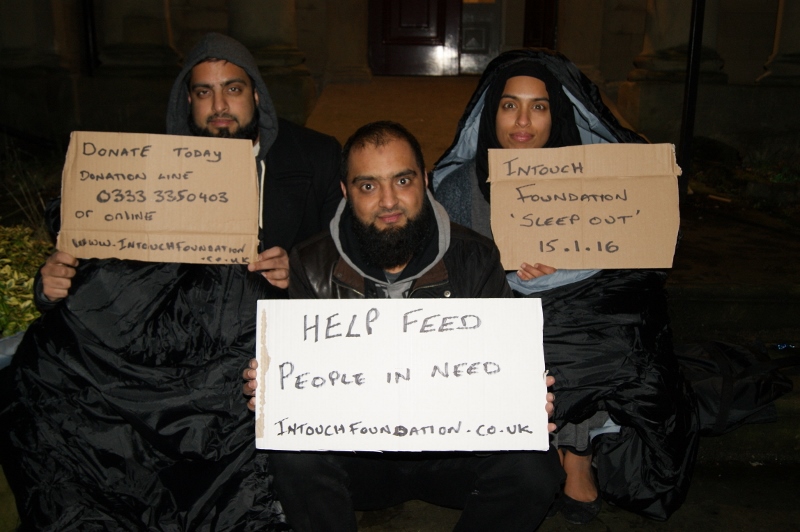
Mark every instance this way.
x=220 y=93
x=391 y=239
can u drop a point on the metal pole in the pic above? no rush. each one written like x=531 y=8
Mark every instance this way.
x=690 y=94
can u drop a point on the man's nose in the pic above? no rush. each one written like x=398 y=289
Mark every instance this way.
x=220 y=102
x=388 y=197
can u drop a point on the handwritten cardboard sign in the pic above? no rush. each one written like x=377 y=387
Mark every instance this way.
x=159 y=198
x=401 y=375
x=594 y=206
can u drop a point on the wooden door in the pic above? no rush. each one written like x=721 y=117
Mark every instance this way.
x=414 y=37
x=481 y=22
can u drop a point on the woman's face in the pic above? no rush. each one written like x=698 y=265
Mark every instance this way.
x=523 y=116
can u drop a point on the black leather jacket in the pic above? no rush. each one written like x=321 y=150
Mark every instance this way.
x=470 y=268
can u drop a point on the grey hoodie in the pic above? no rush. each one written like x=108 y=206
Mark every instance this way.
x=397 y=289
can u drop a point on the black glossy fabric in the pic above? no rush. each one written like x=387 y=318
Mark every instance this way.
x=122 y=409
x=734 y=385
x=608 y=344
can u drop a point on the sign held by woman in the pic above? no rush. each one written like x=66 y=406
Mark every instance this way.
x=586 y=207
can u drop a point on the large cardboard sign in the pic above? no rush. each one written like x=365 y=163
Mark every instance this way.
x=160 y=198
x=594 y=206
x=401 y=375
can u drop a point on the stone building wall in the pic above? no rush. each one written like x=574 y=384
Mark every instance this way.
x=52 y=84
x=631 y=48
x=745 y=38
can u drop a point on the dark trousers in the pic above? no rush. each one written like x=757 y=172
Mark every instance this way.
x=506 y=491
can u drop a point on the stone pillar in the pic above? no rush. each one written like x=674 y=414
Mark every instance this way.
x=783 y=66
x=40 y=60
x=652 y=98
x=268 y=28
x=348 y=22
x=666 y=42
x=133 y=37
x=580 y=37
x=27 y=36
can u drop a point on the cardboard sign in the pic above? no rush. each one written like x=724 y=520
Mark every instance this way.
x=159 y=198
x=401 y=375
x=594 y=206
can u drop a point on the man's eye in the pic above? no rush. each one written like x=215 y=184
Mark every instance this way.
x=403 y=181
x=367 y=187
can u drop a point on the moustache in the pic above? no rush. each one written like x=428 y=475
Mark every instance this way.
x=222 y=116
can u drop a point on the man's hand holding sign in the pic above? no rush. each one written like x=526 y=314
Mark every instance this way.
x=158 y=198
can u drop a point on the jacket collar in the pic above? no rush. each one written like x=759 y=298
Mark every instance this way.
x=346 y=275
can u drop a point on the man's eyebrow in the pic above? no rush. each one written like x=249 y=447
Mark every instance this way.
x=369 y=177
x=224 y=83
x=406 y=172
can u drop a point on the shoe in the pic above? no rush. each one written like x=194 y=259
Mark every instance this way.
x=577 y=512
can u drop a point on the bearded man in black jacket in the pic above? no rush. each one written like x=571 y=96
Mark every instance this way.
x=220 y=93
x=391 y=239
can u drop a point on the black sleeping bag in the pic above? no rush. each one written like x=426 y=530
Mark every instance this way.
x=608 y=344
x=123 y=410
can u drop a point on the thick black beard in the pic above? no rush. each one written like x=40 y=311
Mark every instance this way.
x=390 y=248
x=248 y=131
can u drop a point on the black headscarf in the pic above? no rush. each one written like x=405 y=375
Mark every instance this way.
x=563 y=131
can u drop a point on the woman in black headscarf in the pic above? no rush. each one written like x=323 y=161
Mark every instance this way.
x=606 y=332
x=549 y=111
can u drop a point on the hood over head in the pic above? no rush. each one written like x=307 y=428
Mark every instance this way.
x=218 y=46
x=579 y=117
x=594 y=121
x=563 y=131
